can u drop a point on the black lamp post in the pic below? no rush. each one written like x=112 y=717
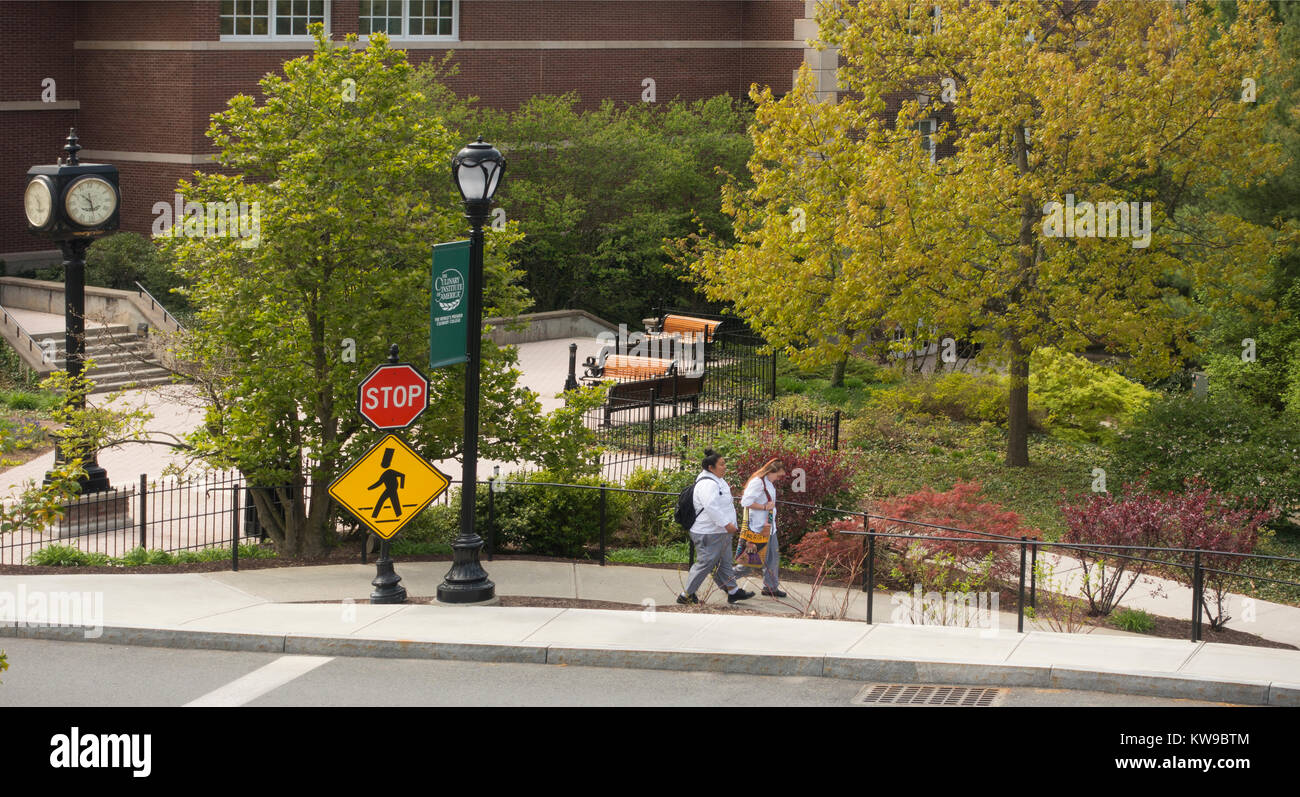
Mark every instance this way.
x=476 y=171
x=72 y=203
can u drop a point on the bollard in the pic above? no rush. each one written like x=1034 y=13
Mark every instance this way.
x=492 y=517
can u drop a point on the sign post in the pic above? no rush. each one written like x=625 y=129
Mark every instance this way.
x=391 y=483
x=448 y=308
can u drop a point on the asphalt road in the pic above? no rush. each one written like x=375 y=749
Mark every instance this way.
x=43 y=673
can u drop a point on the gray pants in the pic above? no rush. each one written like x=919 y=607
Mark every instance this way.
x=711 y=551
x=771 y=561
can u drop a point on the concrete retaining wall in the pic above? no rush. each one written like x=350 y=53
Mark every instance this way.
x=550 y=325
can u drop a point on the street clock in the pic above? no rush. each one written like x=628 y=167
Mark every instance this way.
x=71 y=200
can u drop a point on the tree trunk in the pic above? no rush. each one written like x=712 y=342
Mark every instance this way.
x=1018 y=408
x=837 y=376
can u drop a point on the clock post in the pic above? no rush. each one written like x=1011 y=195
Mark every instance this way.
x=73 y=203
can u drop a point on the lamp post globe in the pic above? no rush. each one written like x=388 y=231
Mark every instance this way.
x=476 y=171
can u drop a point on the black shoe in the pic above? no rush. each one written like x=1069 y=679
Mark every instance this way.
x=740 y=595
x=773 y=593
x=685 y=599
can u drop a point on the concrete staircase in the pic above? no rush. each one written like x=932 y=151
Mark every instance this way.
x=122 y=358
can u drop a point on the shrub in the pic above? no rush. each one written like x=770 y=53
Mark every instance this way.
x=961 y=508
x=405 y=547
x=140 y=556
x=66 y=556
x=222 y=553
x=551 y=521
x=648 y=521
x=1208 y=521
x=120 y=260
x=1134 y=518
x=1083 y=400
x=1239 y=449
x=835 y=554
x=1133 y=620
x=439 y=523
x=954 y=394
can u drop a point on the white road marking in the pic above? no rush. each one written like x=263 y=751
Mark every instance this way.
x=259 y=681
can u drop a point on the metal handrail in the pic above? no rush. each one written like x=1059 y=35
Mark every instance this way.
x=23 y=333
x=140 y=289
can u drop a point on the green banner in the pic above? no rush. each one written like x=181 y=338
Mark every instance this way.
x=449 y=304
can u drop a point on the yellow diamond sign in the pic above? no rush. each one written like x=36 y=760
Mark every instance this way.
x=388 y=486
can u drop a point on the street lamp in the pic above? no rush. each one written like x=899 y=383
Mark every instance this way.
x=476 y=170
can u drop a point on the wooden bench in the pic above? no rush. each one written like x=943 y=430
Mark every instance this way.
x=688 y=327
x=643 y=382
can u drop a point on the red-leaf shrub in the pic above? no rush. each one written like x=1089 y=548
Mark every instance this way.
x=827 y=481
x=1210 y=521
x=961 y=508
x=838 y=555
x=1134 y=518
x=1199 y=518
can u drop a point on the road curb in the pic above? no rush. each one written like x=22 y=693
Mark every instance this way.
x=1169 y=685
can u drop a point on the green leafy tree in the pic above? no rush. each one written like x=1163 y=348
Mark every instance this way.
x=1038 y=103
x=350 y=174
x=597 y=191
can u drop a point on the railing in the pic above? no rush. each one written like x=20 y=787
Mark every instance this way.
x=143 y=292
x=33 y=345
x=1028 y=549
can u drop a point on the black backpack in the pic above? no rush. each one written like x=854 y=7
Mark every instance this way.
x=686 y=514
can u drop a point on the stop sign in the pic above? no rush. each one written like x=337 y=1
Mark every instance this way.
x=393 y=396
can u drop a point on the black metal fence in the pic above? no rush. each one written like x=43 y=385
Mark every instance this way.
x=658 y=434
x=1189 y=559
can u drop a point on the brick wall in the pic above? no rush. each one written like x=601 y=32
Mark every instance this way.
x=160 y=101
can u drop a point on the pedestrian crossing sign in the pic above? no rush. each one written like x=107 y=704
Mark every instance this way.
x=388 y=486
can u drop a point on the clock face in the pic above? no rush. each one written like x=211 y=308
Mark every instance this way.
x=90 y=201
x=38 y=202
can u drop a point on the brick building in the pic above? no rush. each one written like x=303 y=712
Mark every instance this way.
x=140 y=78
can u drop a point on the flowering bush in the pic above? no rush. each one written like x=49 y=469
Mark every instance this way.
x=1134 y=518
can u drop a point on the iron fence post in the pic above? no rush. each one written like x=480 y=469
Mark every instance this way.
x=234 y=536
x=654 y=399
x=1196 y=596
x=774 y=374
x=1020 y=602
x=602 y=524
x=871 y=571
x=492 y=518
x=740 y=414
x=143 y=516
x=835 y=441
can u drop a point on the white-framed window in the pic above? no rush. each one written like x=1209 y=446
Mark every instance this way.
x=411 y=19
x=270 y=19
x=927 y=128
x=923 y=17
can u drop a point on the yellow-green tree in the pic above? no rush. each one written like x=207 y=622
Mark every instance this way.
x=1054 y=119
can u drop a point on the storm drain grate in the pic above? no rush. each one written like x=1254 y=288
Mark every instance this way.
x=916 y=695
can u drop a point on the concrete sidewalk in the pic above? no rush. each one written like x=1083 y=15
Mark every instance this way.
x=253 y=610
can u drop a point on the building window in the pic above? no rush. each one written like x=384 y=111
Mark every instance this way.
x=271 y=18
x=926 y=128
x=410 y=18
